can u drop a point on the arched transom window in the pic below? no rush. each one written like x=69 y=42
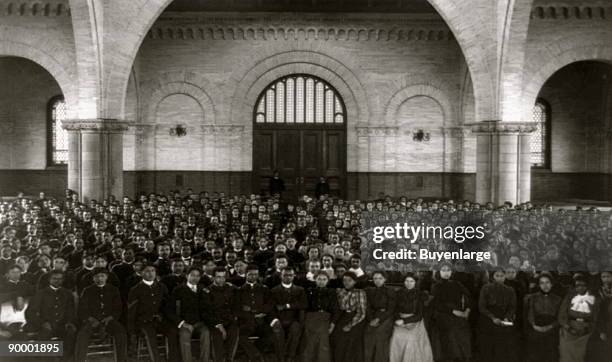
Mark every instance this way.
x=300 y=98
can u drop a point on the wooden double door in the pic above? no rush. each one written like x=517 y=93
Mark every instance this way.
x=301 y=154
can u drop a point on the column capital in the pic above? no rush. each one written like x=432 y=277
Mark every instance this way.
x=503 y=127
x=96 y=124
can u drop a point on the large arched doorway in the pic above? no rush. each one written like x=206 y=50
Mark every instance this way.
x=571 y=150
x=33 y=145
x=299 y=129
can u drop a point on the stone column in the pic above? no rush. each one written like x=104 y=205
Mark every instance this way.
x=608 y=164
x=503 y=165
x=453 y=183
x=95 y=157
x=74 y=159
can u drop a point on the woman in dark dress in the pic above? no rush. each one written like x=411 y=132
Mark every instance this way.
x=322 y=304
x=347 y=335
x=497 y=306
x=410 y=342
x=379 y=318
x=451 y=308
x=600 y=348
x=577 y=318
x=541 y=326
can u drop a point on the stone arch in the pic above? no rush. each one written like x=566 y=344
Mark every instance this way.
x=143 y=14
x=187 y=83
x=436 y=92
x=559 y=55
x=335 y=73
x=513 y=46
x=139 y=17
x=257 y=78
x=461 y=17
x=49 y=63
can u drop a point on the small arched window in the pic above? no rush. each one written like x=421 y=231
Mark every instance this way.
x=300 y=98
x=57 y=144
x=540 y=138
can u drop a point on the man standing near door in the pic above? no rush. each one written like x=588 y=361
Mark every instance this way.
x=277 y=185
x=322 y=188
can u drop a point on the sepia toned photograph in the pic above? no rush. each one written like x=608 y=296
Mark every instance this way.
x=306 y=180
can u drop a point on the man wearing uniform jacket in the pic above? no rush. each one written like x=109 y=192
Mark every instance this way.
x=100 y=309
x=185 y=312
x=87 y=279
x=145 y=302
x=220 y=316
x=289 y=302
x=52 y=312
x=253 y=306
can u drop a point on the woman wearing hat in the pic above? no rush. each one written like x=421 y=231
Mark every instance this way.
x=347 y=335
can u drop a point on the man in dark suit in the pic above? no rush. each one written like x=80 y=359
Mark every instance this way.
x=238 y=277
x=208 y=273
x=124 y=269
x=322 y=187
x=277 y=185
x=253 y=306
x=136 y=277
x=100 y=309
x=59 y=264
x=273 y=277
x=52 y=312
x=177 y=277
x=87 y=279
x=220 y=316
x=289 y=302
x=145 y=302
x=86 y=267
x=13 y=285
x=263 y=254
x=185 y=311
x=163 y=260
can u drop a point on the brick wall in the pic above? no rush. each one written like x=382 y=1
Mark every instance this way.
x=576 y=95
x=392 y=60
x=25 y=91
x=42 y=31
x=578 y=98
